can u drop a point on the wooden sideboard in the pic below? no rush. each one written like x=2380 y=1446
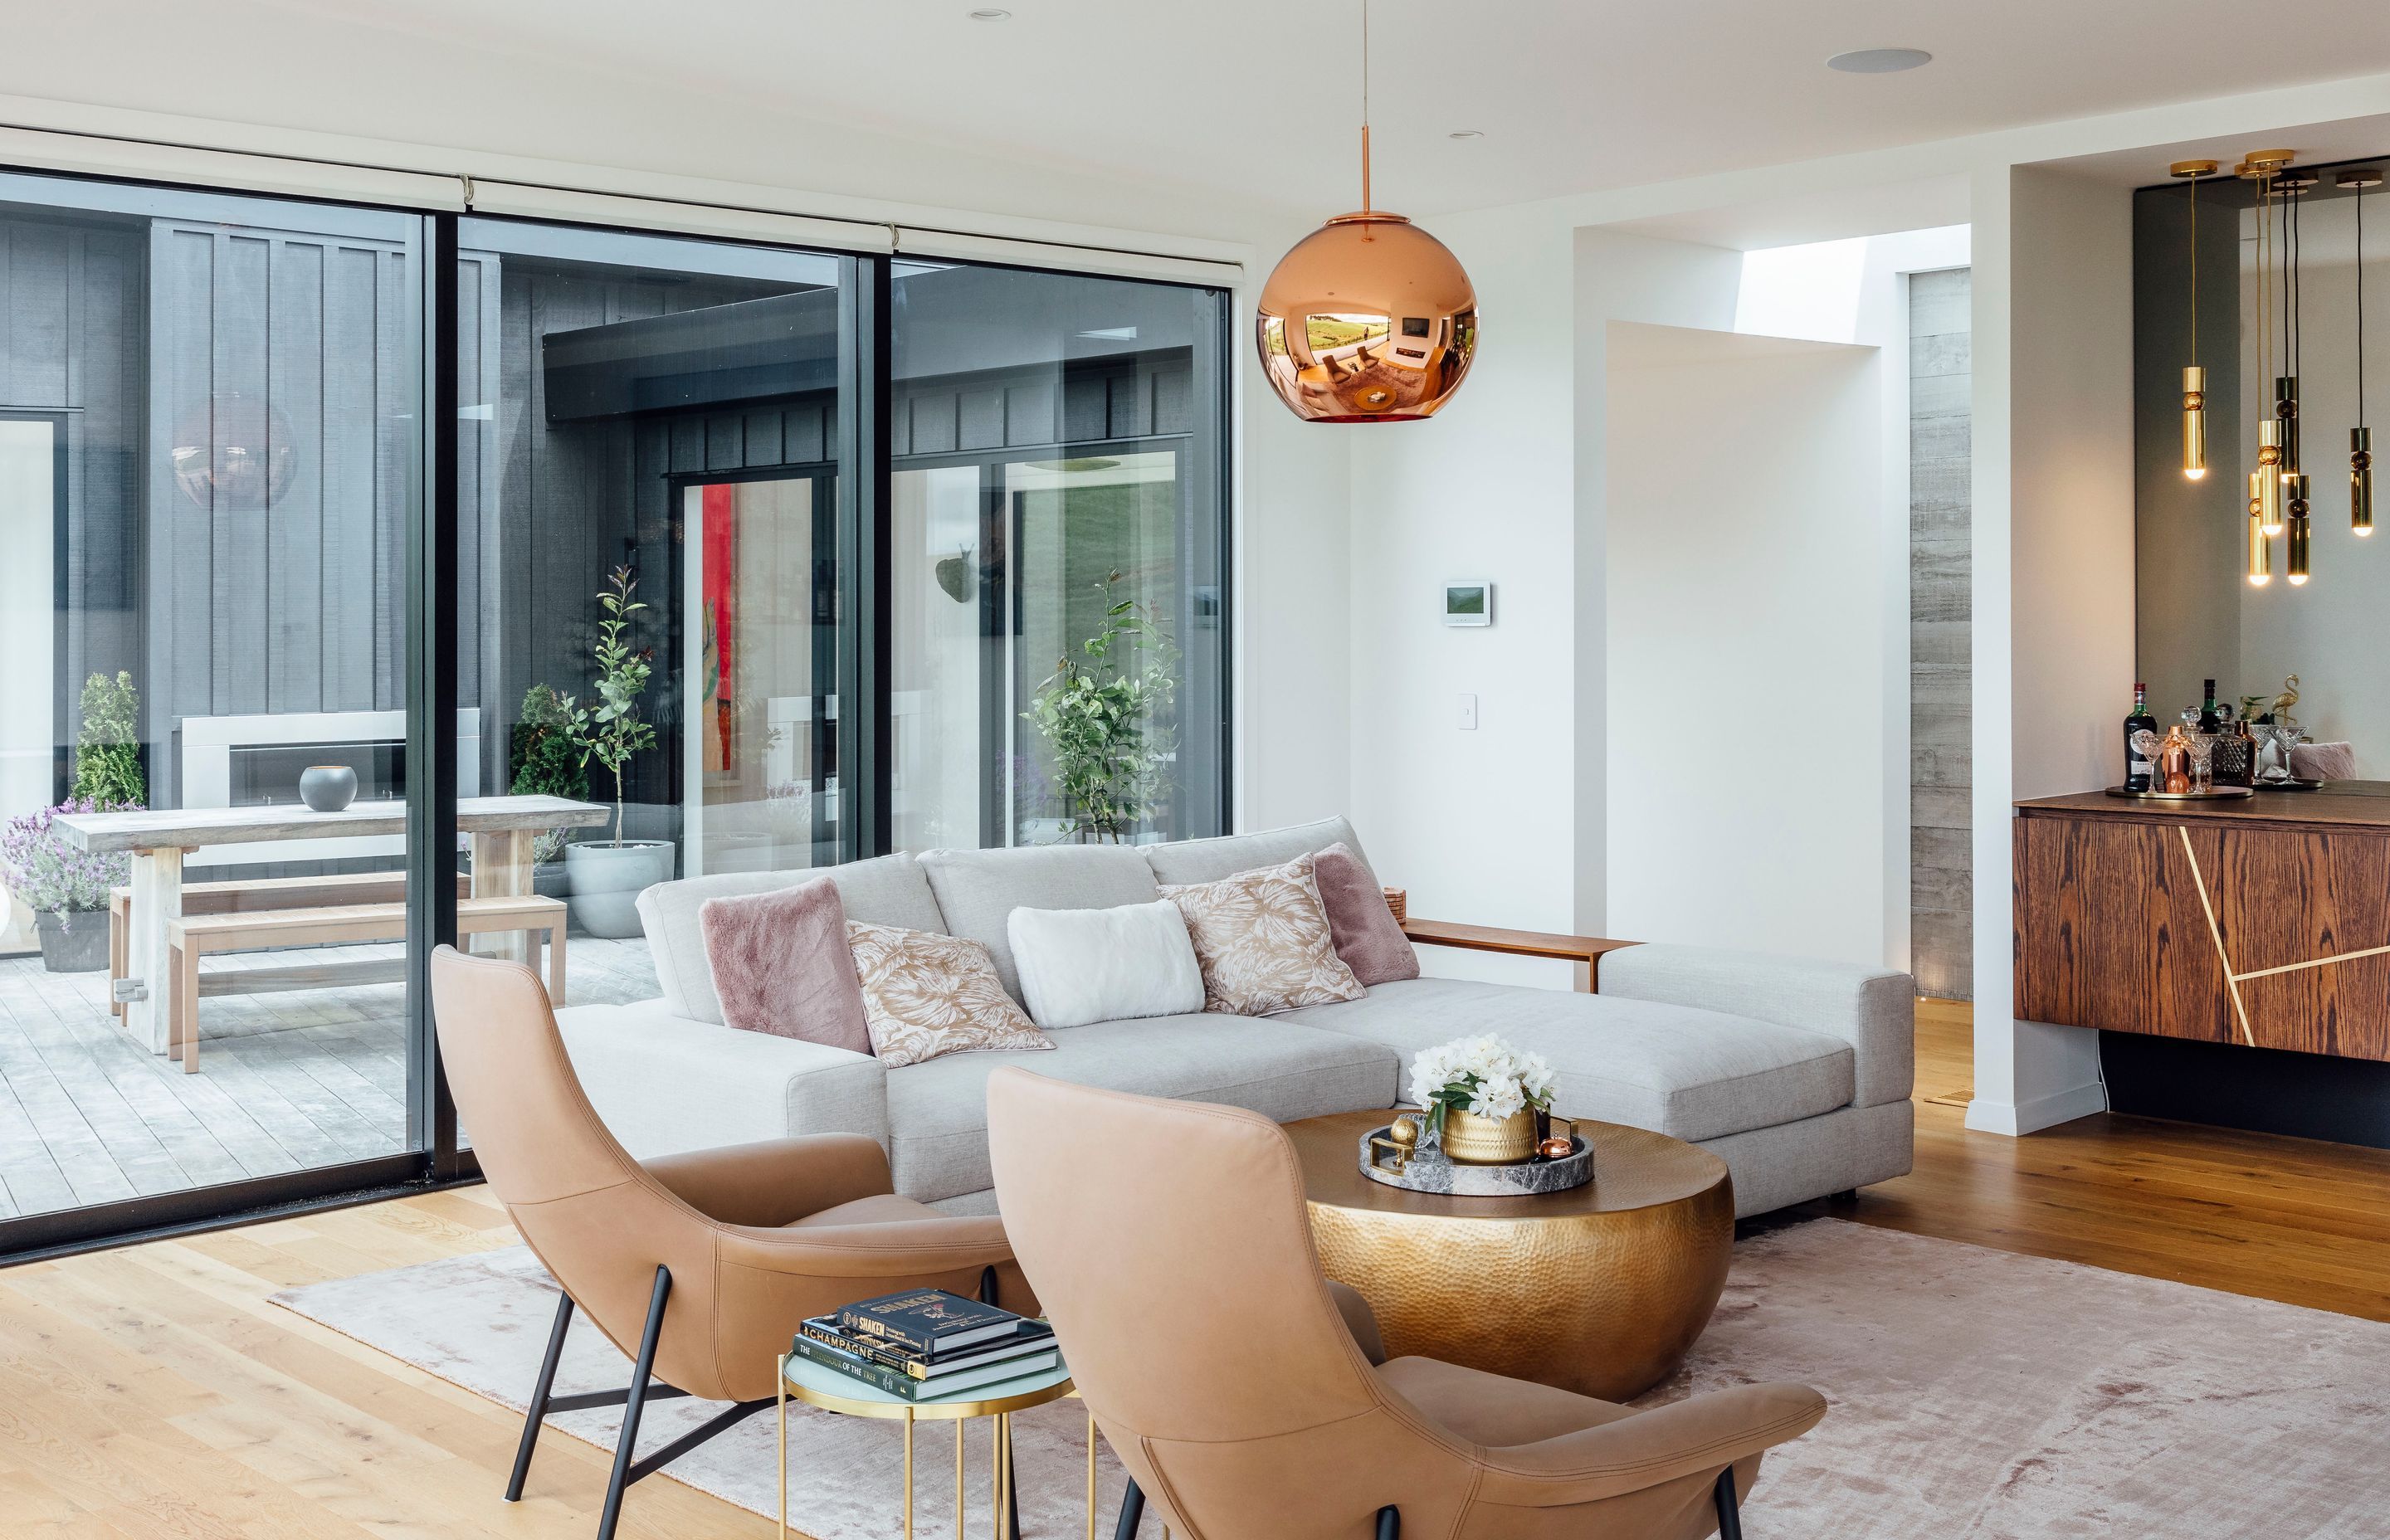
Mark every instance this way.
x=2262 y=921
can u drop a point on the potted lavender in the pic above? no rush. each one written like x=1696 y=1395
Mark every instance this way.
x=64 y=887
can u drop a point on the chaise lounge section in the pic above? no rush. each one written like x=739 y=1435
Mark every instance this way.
x=1796 y=1072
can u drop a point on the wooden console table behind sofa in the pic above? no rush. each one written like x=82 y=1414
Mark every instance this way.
x=1588 y=950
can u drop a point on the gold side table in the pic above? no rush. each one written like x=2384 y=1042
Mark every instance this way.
x=830 y=1391
x=1599 y=1289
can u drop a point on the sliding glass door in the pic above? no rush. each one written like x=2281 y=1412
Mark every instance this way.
x=208 y=411
x=653 y=547
x=1057 y=522
x=717 y=560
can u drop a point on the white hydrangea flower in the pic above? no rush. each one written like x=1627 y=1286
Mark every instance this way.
x=1501 y=1079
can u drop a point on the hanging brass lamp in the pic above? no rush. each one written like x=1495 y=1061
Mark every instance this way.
x=2360 y=438
x=1368 y=319
x=2194 y=378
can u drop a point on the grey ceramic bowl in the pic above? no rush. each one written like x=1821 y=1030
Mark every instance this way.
x=328 y=787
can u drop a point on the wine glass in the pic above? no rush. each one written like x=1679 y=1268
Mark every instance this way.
x=2287 y=734
x=2203 y=752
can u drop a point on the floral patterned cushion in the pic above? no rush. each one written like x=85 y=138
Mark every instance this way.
x=927 y=994
x=1263 y=941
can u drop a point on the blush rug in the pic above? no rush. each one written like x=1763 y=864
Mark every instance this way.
x=1976 y=1395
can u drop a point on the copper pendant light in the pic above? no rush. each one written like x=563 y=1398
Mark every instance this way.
x=1368 y=319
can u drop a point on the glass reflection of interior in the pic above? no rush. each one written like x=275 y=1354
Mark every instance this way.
x=1053 y=440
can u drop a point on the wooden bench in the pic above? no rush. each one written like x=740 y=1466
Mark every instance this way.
x=254 y=894
x=192 y=936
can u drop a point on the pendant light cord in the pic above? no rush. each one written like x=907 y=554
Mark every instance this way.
x=1365 y=106
x=2298 y=289
x=2194 y=271
x=2361 y=305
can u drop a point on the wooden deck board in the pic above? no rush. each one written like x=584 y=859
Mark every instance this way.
x=287 y=1080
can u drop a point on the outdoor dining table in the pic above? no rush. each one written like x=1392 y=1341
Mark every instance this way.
x=501 y=828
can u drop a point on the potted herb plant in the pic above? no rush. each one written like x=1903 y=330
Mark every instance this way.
x=1105 y=718
x=64 y=885
x=543 y=760
x=607 y=876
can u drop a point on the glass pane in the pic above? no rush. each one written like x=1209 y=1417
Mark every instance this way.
x=1058 y=445
x=649 y=521
x=206 y=425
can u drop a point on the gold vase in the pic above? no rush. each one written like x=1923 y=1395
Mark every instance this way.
x=1470 y=1140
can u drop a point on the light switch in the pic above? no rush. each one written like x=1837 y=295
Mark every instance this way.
x=1468 y=712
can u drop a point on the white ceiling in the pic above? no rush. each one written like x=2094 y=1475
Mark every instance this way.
x=1257 y=98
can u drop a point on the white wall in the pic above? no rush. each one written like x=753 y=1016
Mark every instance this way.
x=1745 y=592
x=2053 y=577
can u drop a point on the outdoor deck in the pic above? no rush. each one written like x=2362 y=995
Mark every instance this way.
x=288 y=1080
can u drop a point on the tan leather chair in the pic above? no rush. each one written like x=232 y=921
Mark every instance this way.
x=699 y=1267
x=1169 y=1244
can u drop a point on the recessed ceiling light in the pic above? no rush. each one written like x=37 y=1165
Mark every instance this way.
x=1466 y=133
x=991 y=14
x=1879 y=61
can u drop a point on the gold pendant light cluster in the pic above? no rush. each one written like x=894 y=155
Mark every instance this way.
x=2280 y=505
x=1368 y=319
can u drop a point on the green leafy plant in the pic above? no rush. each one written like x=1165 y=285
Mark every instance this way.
x=610 y=731
x=544 y=761
x=1106 y=716
x=107 y=757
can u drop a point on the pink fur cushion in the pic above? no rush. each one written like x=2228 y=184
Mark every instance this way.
x=1364 y=929
x=781 y=965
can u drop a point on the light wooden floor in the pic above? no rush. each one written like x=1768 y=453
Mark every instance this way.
x=153 y=1391
x=288 y=1080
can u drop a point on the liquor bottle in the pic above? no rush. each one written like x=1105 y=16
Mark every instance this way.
x=2172 y=773
x=2136 y=764
x=2236 y=753
x=2208 y=721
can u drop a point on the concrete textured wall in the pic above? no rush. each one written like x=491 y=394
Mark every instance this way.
x=1940 y=612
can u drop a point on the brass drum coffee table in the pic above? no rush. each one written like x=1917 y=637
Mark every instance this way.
x=1600 y=1289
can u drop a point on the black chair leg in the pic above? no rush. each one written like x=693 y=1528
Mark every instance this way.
x=1132 y=1511
x=539 y=1396
x=1729 y=1519
x=1390 y=1523
x=633 y=1404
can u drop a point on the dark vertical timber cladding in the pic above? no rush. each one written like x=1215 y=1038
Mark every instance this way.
x=395 y=459
x=429 y=541
x=71 y=336
x=293 y=610
x=238 y=344
x=350 y=481
x=290 y=345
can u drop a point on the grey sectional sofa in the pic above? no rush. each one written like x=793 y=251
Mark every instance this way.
x=1796 y=1072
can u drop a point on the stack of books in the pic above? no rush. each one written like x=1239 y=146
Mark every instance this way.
x=925 y=1344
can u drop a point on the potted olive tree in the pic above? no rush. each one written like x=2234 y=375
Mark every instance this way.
x=607 y=876
x=1105 y=718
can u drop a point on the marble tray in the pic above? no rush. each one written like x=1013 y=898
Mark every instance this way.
x=1432 y=1172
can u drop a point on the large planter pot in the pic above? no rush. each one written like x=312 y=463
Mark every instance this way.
x=550 y=880
x=1470 y=1140
x=607 y=879
x=75 y=942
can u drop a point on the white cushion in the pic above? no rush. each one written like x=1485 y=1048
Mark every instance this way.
x=1078 y=966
